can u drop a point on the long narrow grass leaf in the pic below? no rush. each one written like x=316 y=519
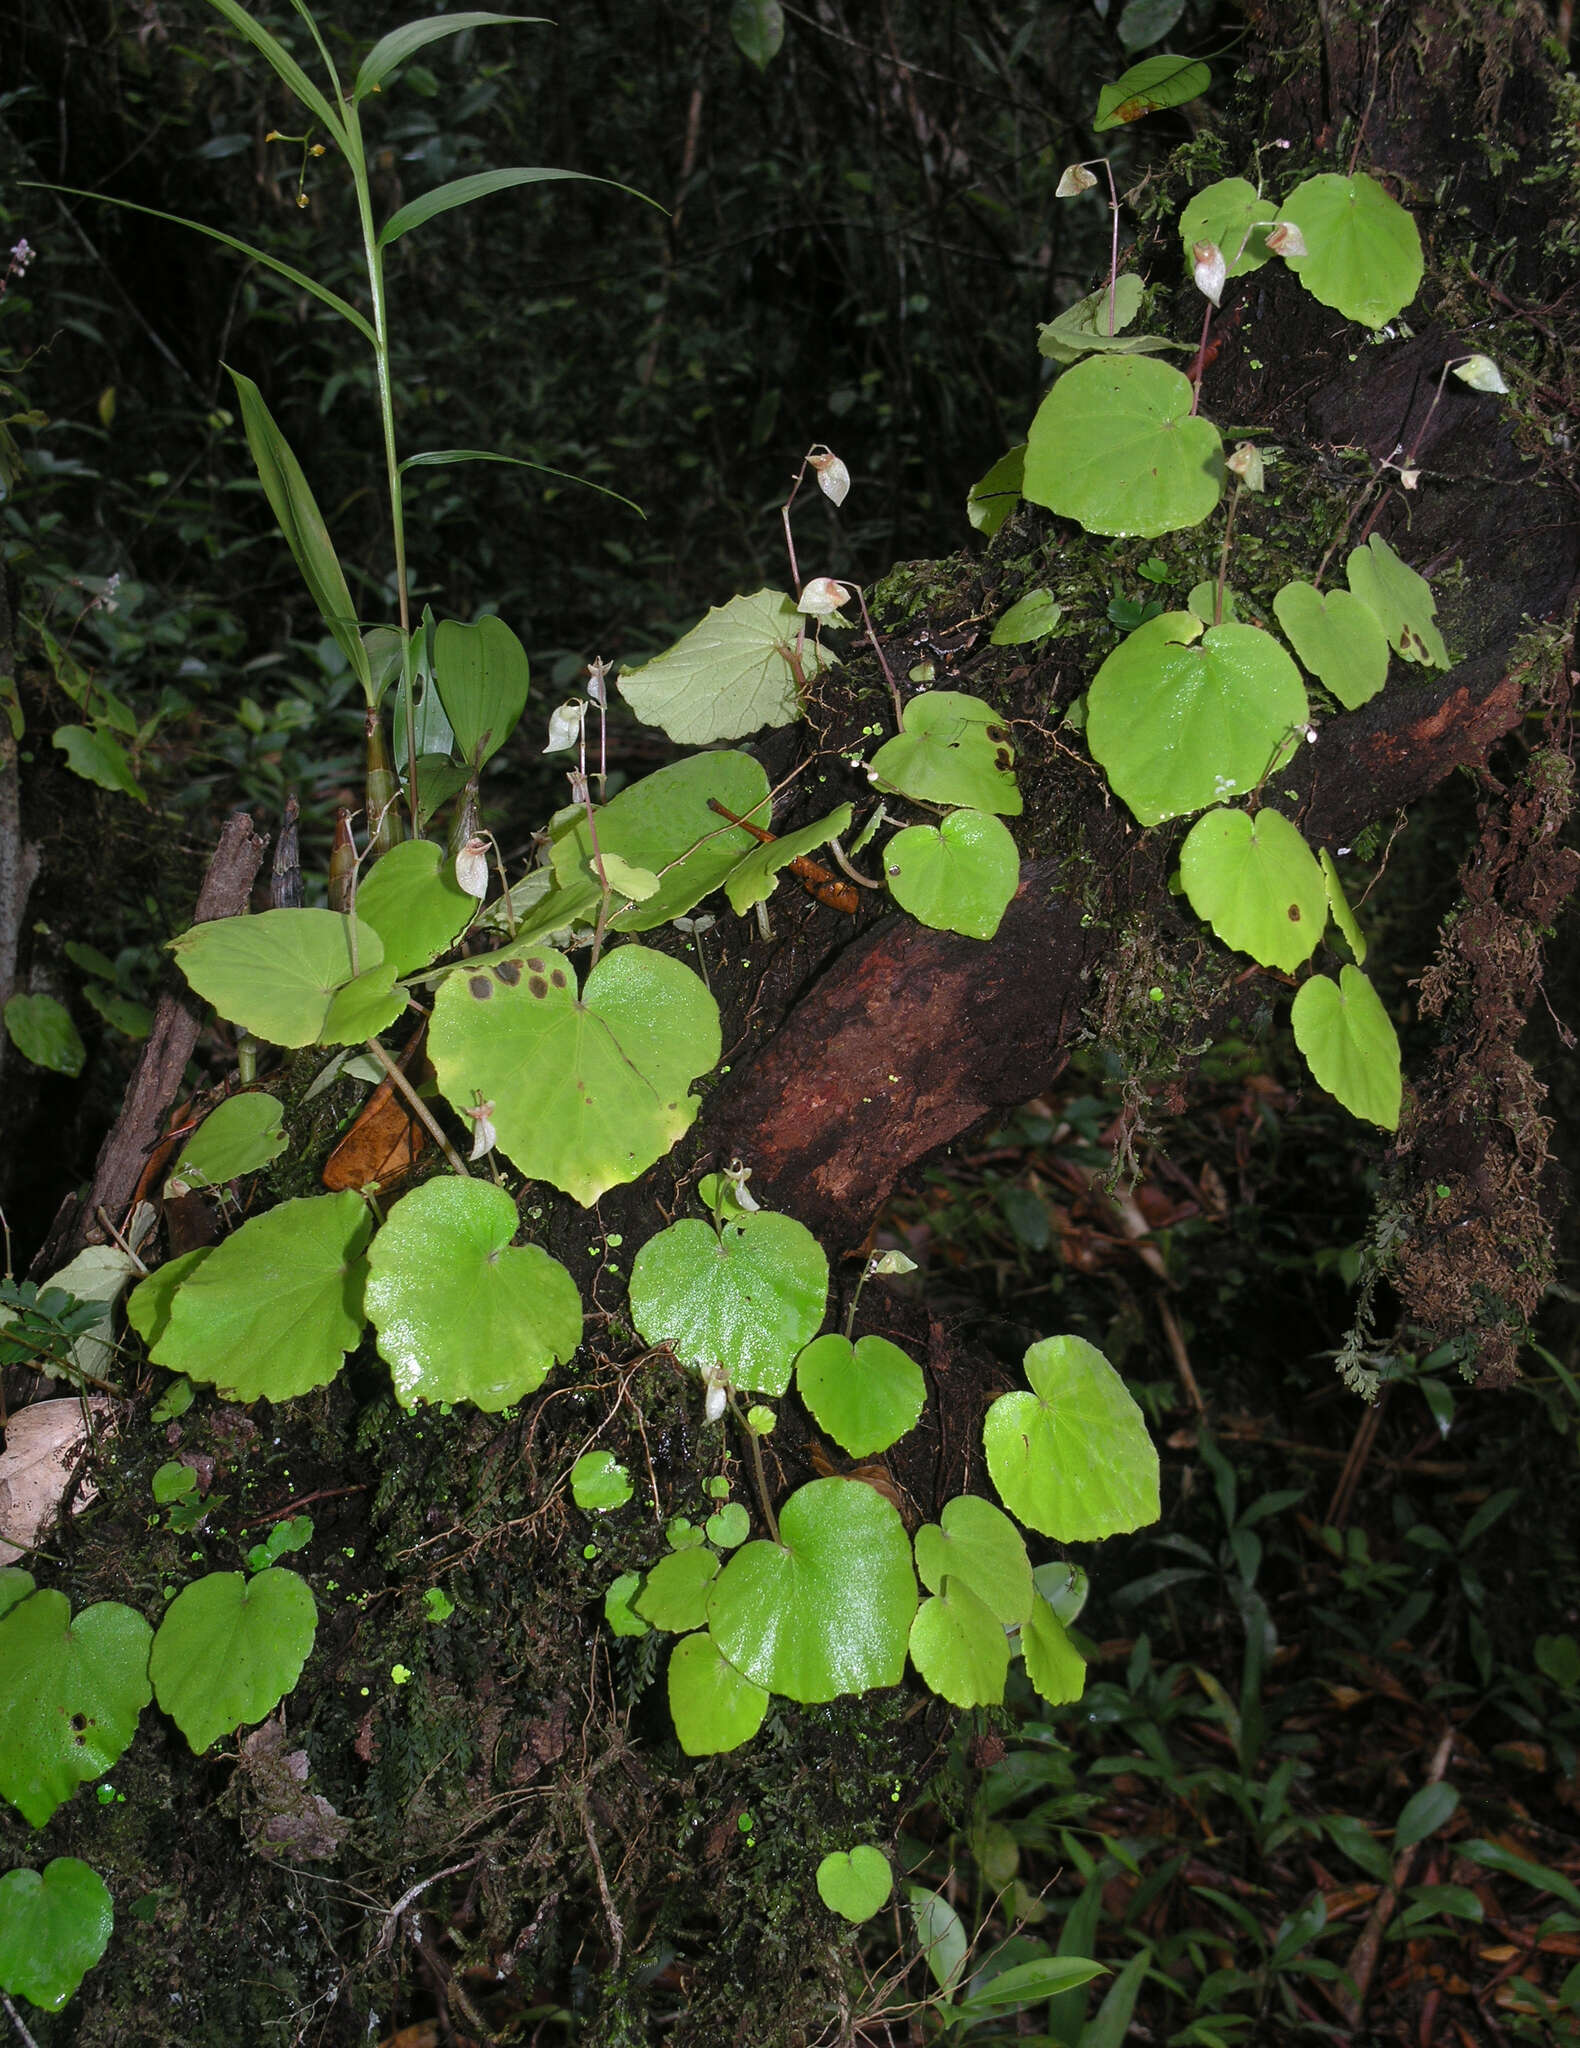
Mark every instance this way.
x=283 y=64
x=462 y=191
x=411 y=36
x=433 y=458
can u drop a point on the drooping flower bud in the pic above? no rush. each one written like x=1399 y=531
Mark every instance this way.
x=484 y=1136
x=1285 y=239
x=1246 y=463
x=565 y=725
x=1073 y=181
x=1481 y=373
x=471 y=868
x=1209 y=270
x=833 y=478
x=822 y=596
x=597 y=686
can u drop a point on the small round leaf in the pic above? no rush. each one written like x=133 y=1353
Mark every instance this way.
x=855 y=1883
x=599 y=1482
x=1339 y=639
x=676 y=1594
x=1072 y=1459
x=712 y=1706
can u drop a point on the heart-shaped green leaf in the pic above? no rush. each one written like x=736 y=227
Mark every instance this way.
x=1181 y=726
x=1072 y=1459
x=959 y=1647
x=587 y=1091
x=1339 y=639
x=238 y=1137
x=599 y=1482
x=1363 y=251
x=53 y=1929
x=855 y=1883
x=1257 y=883
x=1053 y=1663
x=953 y=749
x=663 y=823
x=712 y=1706
x=1233 y=215
x=274 y=974
x=730 y=675
x=1401 y=599
x=1350 y=1044
x=415 y=904
x=754 y=876
x=482 y=676
x=1032 y=617
x=827 y=1609
x=461 y=1313
x=70 y=1695
x=979 y=1545
x=865 y=1395
x=728 y=1527
x=273 y=1310
x=42 y=1031
x=955 y=877
x=1114 y=446
x=746 y=1299
x=229 y=1649
x=675 y=1596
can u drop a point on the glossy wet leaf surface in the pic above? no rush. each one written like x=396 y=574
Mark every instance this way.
x=864 y=1395
x=71 y=1691
x=977 y=1543
x=1072 y=1458
x=461 y=1313
x=747 y=1299
x=1115 y=447
x=55 y=1924
x=712 y=1706
x=675 y=1596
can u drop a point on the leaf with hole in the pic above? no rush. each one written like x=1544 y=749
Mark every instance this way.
x=1257 y=883
x=1150 y=87
x=1235 y=218
x=952 y=749
x=482 y=675
x=714 y=1708
x=978 y=1544
x=54 y=1927
x=728 y=676
x=1350 y=1044
x=71 y=1692
x=42 y=1031
x=866 y=1395
x=590 y=1089
x=229 y=1649
x=238 y=1137
x=1402 y=601
x=1072 y=1459
x=855 y=1883
x=959 y=1646
x=272 y=1311
x=746 y=1299
x=1115 y=447
x=1180 y=726
x=827 y=1609
x=413 y=901
x=1338 y=637
x=955 y=877
x=1363 y=251
x=276 y=973
x=461 y=1313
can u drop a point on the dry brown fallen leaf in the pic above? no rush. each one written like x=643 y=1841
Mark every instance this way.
x=43 y=1443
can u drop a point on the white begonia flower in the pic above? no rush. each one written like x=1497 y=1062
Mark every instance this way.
x=1246 y=463
x=1285 y=239
x=738 y=1175
x=565 y=725
x=833 y=478
x=597 y=683
x=1481 y=373
x=484 y=1137
x=822 y=596
x=1210 y=270
x=1074 y=180
x=471 y=868
x=716 y=1383
x=891 y=1262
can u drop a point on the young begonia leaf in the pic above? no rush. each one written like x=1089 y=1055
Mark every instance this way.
x=482 y=674
x=994 y=496
x=229 y=1649
x=622 y=1618
x=730 y=675
x=1115 y=447
x=599 y=1482
x=238 y=1137
x=461 y=1313
x=955 y=877
x=273 y=1310
x=1234 y=217
x=1181 y=726
x=728 y=1527
x=1032 y=617
x=91 y=753
x=1204 y=601
x=1257 y=883
x=1350 y=1044
x=1072 y=1459
x=71 y=1691
x=865 y=1395
x=953 y=749
x=746 y=1299
x=368 y=1004
x=53 y=1929
x=1339 y=904
x=1053 y=1663
x=675 y=1596
x=1148 y=88
x=827 y=1609
x=413 y=901
x=148 y=1304
x=855 y=1883
x=274 y=973
x=1338 y=637
x=959 y=1647
x=714 y=1708
x=754 y=876
x=42 y=1031
x=979 y=1545
x=587 y=1090
x=1363 y=250
x=1402 y=600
